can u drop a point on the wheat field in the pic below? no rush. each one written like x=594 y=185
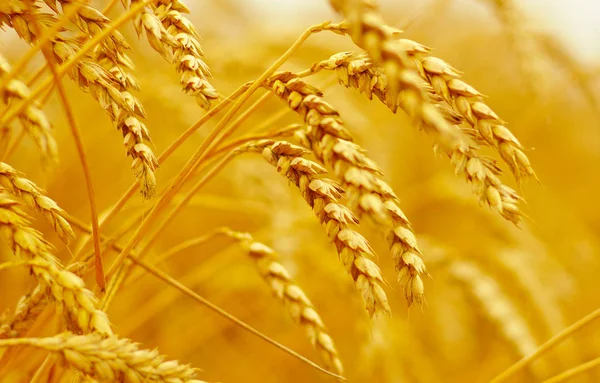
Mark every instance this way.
x=214 y=191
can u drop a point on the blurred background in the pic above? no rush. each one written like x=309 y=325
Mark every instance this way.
x=496 y=291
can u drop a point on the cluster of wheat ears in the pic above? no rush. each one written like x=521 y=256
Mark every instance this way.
x=317 y=155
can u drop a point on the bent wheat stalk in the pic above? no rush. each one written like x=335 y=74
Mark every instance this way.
x=368 y=195
x=359 y=72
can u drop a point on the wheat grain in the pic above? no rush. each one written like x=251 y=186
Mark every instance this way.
x=285 y=289
x=367 y=193
x=33 y=119
x=322 y=195
x=36 y=198
x=68 y=289
x=111 y=359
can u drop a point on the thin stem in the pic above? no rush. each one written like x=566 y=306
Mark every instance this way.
x=173 y=282
x=108 y=7
x=80 y=151
x=521 y=364
x=574 y=371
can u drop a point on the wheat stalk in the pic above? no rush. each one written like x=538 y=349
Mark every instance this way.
x=323 y=196
x=79 y=303
x=285 y=289
x=36 y=198
x=32 y=118
x=368 y=195
x=110 y=359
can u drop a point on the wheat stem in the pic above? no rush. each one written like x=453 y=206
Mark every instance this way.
x=558 y=338
x=572 y=372
x=75 y=131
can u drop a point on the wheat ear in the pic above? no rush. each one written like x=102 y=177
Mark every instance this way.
x=122 y=107
x=28 y=309
x=367 y=194
x=110 y=359
x=368 y=31
x=172 y=35
x=33 y=119
x=36 y=198
x=286 y=290
x=468 y=102
x=359 y=72
x=322 y=195
x=79 y=303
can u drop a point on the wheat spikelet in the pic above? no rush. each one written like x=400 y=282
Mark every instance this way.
x=35 y=197
x=79 y=303
x=323 y=195
x=367 y=193
x=33 y=119
x=28 y=309
x=172 y=35
x=468 y=102
x=285 y=289
x=111 y=359
x=483 y=173
x=380 y=41
x=122 y=107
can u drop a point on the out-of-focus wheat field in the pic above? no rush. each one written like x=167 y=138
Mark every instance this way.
x=495 y=292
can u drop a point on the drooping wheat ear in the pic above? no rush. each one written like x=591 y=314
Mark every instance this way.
x=360 y=73
x=123 y=109
x=495 y=305
x=79 y=303
x=28 y=309
x=172 y=35
x=33 y=119
x=467 y=101
x=36 y=198
x=285 y=289
x=367 y=194
x=380 y=41
x=111 y=359
x=322 y=195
